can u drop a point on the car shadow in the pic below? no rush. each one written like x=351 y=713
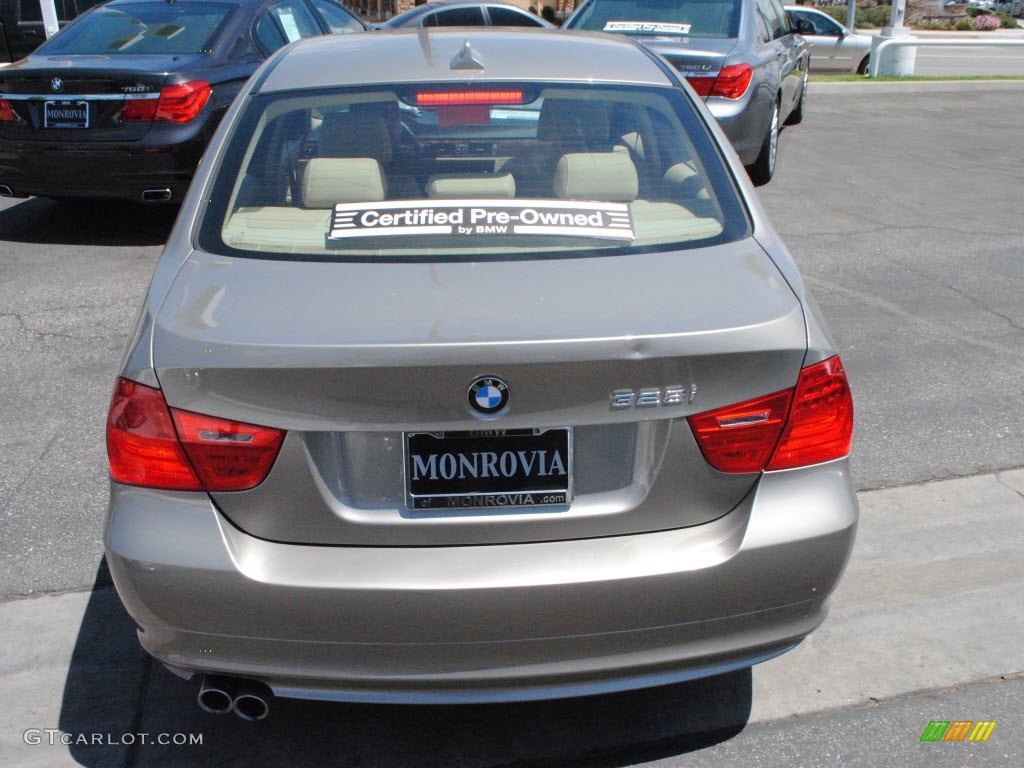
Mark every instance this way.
x=85 y=222
x=120 y=708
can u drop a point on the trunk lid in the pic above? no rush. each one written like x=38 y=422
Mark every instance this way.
x=699 y=57
x=351 y=356
x=80 y=98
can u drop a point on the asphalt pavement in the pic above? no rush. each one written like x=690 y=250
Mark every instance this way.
x=926 y=624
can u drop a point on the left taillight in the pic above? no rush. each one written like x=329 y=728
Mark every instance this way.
x=154 y=446
x=6 y=113
x=176 y=104
x=809 y=424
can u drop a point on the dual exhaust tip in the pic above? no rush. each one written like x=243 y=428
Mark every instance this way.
x=246 y=698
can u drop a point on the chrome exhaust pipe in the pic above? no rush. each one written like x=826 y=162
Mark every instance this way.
x=6 y=191
x=216 y=694
x=252 y=700
x=156 y=195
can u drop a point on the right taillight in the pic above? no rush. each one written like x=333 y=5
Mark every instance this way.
x=153 y=446
x=176 y=104
x=820 y=426
x=809 y=424
x=731 y=82
x=6 y=113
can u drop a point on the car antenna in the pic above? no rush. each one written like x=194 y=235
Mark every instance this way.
x=467 y=58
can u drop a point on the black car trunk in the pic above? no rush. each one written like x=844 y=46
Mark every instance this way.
x=52 y=101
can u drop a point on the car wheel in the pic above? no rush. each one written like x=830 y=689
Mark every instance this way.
x=797 y=115
x=763 y=168
x=862 y=69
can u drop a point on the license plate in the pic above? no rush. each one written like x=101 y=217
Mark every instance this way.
x=488 y=468
x=66 y=114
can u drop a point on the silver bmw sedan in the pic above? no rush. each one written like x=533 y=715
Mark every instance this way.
x=472 y=371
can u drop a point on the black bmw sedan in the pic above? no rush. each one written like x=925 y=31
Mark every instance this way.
x=122 y=102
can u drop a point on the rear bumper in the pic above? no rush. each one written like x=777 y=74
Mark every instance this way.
x=745 y=120
x=97 y=170
x=482 y=623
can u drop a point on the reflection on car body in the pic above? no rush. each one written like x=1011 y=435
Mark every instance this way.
x=741 y=56
x=466 y=389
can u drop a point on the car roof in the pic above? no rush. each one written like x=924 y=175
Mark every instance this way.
x=442 y=3
x=116 y=3
x=426 y=55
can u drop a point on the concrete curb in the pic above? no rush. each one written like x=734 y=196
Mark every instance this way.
x=930 y=600
x=916 y=86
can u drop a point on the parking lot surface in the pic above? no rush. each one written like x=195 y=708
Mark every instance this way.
x=908 y=229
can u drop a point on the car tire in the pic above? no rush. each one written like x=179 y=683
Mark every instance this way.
x=763 y=168
x=797 y=115
x=862 y=68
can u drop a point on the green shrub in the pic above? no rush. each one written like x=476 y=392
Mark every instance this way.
x=877 y=16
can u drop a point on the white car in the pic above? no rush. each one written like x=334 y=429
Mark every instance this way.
x=834 y=48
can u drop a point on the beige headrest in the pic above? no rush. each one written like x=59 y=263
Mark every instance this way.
x=604 y=176
x=468 y=185
x=330 y=180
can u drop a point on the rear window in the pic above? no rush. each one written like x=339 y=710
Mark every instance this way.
x=662 y=18
x=142 y=28
x=501 y=171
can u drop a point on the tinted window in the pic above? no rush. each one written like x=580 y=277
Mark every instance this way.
x=30 y=10
x=507 y=17
x=694 y=18
x=763 y=31
x=405 y=17
x=771 y=18
x=822 y=24
x=285 y=23
x=338 y=20
x=455 y=17
x=498 y=170
x=162 y=28
x=780 y=13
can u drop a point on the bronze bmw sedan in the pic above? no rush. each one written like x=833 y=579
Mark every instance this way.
x=472 y=371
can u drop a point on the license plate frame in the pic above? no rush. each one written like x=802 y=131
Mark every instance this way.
x=81 y=120
x=488 y=469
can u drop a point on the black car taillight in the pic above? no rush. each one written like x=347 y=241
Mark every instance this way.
x=177 y=104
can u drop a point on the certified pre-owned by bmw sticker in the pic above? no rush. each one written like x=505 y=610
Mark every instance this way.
x=463 y=324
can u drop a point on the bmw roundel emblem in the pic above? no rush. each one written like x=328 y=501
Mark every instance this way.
x=57 y=84
x=488 y=395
